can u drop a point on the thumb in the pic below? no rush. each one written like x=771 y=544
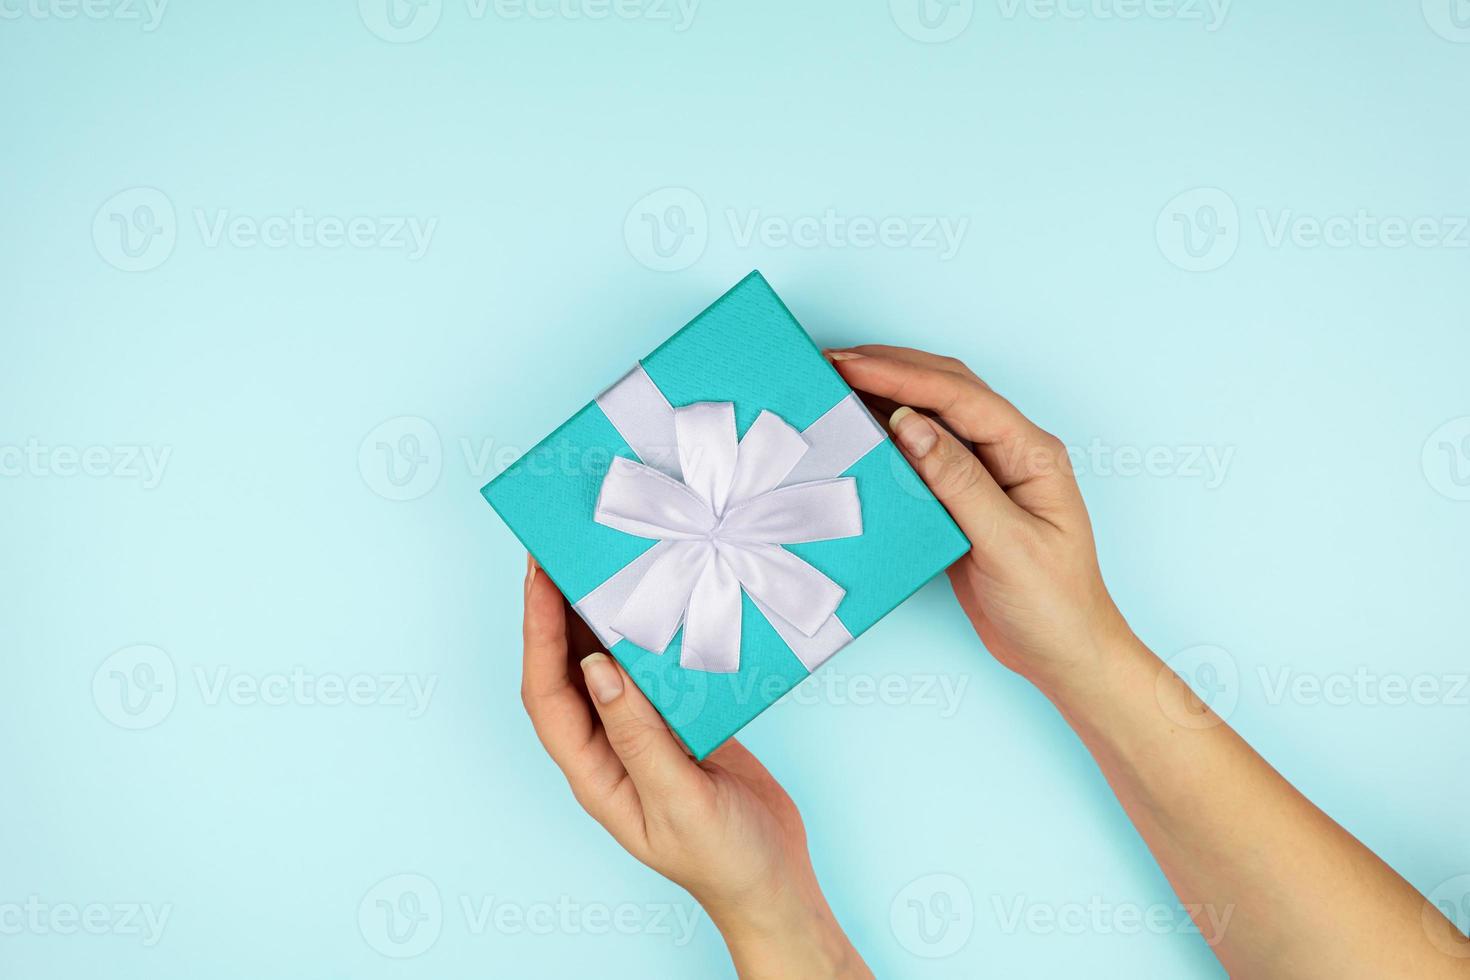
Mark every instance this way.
x=652 y=755
x=954 y=475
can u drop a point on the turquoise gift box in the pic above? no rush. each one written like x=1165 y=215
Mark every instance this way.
x=816 y=516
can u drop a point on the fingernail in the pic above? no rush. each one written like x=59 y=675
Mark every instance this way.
x=603 y=679
x=530 y=571
x=913 y=431
x=841 y=355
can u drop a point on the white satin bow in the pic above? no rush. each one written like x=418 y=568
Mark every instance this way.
x=721 y=531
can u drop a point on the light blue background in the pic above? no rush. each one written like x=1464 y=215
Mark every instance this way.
x=1333 y=542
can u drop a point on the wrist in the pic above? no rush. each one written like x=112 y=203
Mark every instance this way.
x=789 y=932
x=1107 y=661
x=1075 y=662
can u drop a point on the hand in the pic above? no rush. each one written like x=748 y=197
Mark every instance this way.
x=1303 y=897
x=724 y=829
x=1030 y=583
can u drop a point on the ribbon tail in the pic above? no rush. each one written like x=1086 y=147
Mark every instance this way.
x=797 y=592
x=601 y=606
x=813 y=650
x=712 y=624
x=656 y=606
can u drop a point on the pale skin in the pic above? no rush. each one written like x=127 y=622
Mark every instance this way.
x=1299 y=895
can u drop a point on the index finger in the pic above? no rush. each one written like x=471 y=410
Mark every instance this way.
x=912 y=355
x=1012 y=447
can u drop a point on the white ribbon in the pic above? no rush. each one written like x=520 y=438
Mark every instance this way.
x=721 y=530
x=820 y=453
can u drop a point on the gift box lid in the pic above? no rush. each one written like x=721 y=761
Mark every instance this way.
x=748 y=350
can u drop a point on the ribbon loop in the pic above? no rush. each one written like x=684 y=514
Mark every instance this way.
x=707 y=450
x=770 y=450
x=721 y=531
x=804 y=512
x=641 y=501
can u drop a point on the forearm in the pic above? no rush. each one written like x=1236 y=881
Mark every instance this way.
x=1275 y=886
